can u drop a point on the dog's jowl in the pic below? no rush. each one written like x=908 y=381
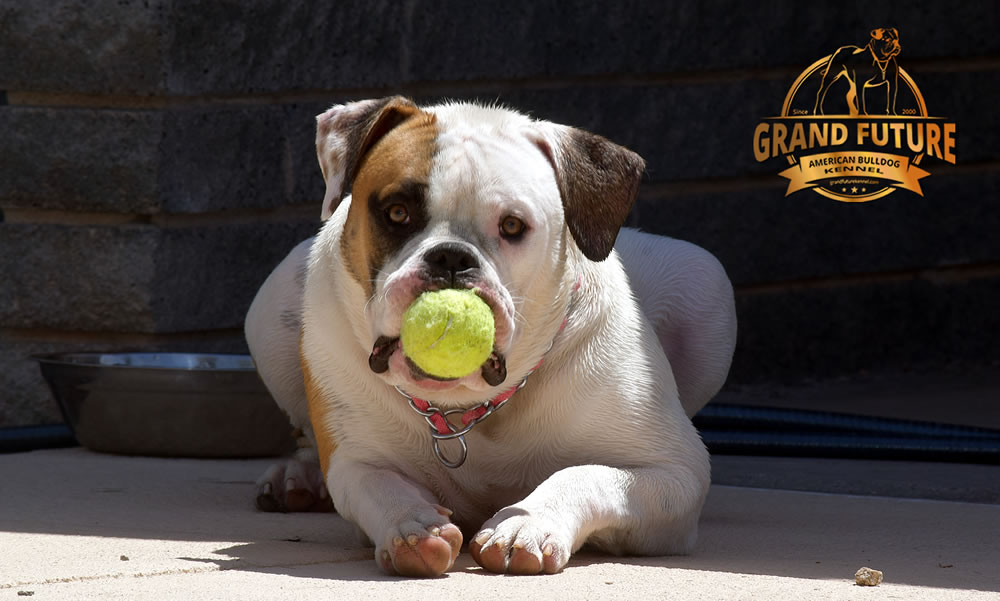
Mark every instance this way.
x=607 y=341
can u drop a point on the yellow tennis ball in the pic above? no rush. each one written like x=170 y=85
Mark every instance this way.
x=448 y=333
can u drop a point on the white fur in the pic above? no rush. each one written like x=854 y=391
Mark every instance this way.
x=272 y=325
x=684 y=291
x=597 y=446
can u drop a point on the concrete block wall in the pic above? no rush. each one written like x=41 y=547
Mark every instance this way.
x=156 y=161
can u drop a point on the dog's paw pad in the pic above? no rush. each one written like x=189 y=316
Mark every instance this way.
x=520 y=545
x=422 y=547
x=293 y=485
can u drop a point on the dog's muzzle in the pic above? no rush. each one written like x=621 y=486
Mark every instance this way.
x=449 y=264
x=493 y=371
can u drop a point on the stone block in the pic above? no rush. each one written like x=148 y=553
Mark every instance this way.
x=26 y=400
x=138 y=278
x=84 y=46
x=80 y=159
x=147 y=162
x=280 y=45
x=826 y=332
x=761 y=236
x=239 y=158
x=206 y=277
x=962 y=97
x=77 y=278
x=187 y=47
x=580 y=39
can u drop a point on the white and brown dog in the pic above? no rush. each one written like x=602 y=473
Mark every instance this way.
x=596 y=447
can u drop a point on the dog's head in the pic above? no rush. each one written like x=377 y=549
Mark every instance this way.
x=885 y=43
x=465 y=196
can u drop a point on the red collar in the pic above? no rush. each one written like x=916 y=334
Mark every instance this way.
x=437 y=419
x=442 y=429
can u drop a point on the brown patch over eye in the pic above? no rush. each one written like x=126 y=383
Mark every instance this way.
x=512 y=227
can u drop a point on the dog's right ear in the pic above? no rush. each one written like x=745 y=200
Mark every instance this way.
x=877 y=33
x=345 y=133
x=597 y=179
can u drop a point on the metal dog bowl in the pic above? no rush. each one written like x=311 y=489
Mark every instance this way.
x=167 y=404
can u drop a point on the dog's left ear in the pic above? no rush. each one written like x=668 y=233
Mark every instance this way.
x=598 y=181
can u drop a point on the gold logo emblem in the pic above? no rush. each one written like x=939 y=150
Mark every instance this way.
x=854 y=126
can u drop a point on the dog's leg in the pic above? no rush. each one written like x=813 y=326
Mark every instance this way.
x=648 y=511
x=413 y=535
x=272 y=331
x=295 y=484
x=862 y=108
x=686 y=295
x=892 y=79
x=824 y=87
x=834 y=70
x=852 y=94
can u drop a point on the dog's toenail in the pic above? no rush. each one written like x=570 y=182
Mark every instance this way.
x=482 y=538
x=547 y=551
x=435 y=532
x=397 y=542
x=412 y=540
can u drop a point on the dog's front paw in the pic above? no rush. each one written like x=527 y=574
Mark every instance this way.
x=516 y=542
x=425 y=544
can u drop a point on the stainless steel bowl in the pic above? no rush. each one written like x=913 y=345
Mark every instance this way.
x=167 y=404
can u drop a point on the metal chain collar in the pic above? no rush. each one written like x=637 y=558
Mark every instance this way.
x=435 y=416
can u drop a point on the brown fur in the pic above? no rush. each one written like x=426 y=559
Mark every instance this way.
x=401 y=158
x=598 y=181
x=326 y=444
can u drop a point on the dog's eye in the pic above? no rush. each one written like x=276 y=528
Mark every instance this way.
x=397 y=214
x=511 y=227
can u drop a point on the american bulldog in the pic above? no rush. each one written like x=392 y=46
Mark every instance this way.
x=576 y=429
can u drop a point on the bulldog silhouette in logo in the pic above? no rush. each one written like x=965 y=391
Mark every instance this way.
x=870 y=66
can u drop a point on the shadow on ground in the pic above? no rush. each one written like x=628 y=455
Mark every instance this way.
x=743 y=530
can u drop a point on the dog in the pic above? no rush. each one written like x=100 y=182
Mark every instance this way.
x=872 y=66
x=607 y=341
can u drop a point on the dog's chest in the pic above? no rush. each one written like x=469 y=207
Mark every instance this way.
x=474 y=496
x=496 y=474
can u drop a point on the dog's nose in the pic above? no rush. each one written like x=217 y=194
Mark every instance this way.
x=450 y=261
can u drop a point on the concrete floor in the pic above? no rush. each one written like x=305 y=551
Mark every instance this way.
x=81 y=525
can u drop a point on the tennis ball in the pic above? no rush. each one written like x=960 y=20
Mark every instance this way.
x=448 y=333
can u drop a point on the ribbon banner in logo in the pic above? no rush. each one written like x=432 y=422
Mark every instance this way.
x=815 y=170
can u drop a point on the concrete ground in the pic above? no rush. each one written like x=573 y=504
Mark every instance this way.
x=81 y=525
